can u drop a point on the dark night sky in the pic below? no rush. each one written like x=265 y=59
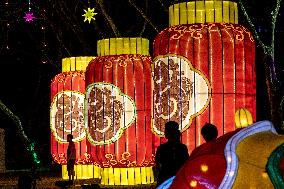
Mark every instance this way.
x=25 y=79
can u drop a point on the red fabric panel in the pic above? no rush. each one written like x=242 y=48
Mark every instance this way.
x=228 y=78
x=250 y=76
x=225 y=54
x=67 y=81
x=129 y=73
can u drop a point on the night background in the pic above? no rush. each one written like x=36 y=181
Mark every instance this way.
x=31 y=54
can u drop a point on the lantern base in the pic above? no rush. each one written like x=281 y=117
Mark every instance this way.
x=83 y=172
x=127 y=176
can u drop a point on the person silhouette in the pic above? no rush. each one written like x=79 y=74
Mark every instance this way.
x=209 y=132
x=71 y=158
x=171 y=155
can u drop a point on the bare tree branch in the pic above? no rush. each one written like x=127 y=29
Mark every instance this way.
x=145 y=22
x=108 y=18
x=143 y=15
x=262 y=45
x=163 y=5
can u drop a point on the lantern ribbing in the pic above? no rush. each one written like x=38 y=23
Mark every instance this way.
x=118 y=46
x=203 y=12
x=79 y=63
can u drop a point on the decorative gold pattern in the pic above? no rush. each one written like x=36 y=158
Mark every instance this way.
x=196 y=31
x=60 y=78
x=86 y=159
x=106 y=105
x=124 y=161
x=60 y=158
x=174 y=90
x=67 y=116
x=122 y=60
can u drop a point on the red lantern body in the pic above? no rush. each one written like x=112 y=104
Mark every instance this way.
x=118 y=108
x=67 y=110
x=212 y=66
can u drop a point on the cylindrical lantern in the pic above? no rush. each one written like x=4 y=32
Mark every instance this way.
x=243 y=118
x=118 y=111
x=67 y=115
x=203 y=69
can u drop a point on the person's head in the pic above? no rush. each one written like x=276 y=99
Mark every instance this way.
x=209 y=132
x=69 y=137
x=171 y=131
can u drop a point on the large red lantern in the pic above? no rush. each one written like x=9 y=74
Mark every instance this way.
x=118 y=111
x=67 y=115
x=203 y=69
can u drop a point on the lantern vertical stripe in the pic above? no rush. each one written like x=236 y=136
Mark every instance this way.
x=129 y=90
x=216 y=59
x=250 y=78
x=228 y=76
x=241 y=76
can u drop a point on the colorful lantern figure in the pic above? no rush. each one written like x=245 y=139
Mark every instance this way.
x=67 y=116
x=118 y=111
x=203 y=69
x=243 y=118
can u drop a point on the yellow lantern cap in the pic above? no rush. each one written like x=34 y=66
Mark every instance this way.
x=207 y=11
x=79 y=63
x=243 y=118
x=117 y=46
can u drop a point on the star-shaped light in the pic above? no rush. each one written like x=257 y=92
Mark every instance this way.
x=29 y=16
x=89 y=14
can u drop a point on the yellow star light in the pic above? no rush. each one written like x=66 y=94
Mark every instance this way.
x=89 y=14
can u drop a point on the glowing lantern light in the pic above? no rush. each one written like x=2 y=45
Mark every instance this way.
x=203 y=69
x=67 y=116
x=243 y=118
x=118 y=111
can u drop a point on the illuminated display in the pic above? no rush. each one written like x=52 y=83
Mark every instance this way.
x=67 y=117
x=243 y=118
x=118 y=111
x=180 y=92
x=220 y=52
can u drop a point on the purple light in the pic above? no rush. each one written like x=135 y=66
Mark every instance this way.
x=29 y=16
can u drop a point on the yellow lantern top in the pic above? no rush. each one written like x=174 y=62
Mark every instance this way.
x=117 y=46
x=206 y=11
x=243 y=118
x=79 y=63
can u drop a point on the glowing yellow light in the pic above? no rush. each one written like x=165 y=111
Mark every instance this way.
x=264 y=175
x=83 y=172
x=127 y=176
x=243 y=118
x=89 y=14
x=193 y=183
x=204 y=168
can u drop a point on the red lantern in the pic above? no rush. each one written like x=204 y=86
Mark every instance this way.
x=118 y=111
x=67 y=111
x=203 y=71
